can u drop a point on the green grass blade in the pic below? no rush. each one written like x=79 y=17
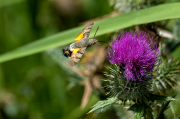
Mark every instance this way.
x=161 y=12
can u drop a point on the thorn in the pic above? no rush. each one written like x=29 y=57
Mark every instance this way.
x=158 y=88
x=101 y=109
x=170 y=84
x=172 y=109
x=163 y=84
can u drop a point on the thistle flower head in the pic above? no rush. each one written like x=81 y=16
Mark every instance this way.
x=134 y=53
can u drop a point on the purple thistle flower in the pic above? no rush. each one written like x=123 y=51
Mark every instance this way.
x=134 y=53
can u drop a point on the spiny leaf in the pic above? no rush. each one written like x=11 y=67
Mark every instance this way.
x=139 y=109
x=105 y=26
x=162 y=109
x=102 y=104
x=153 y=97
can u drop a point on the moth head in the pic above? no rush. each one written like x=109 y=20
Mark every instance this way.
x=67 y=52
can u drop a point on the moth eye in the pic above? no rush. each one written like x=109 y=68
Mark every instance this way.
x=66 y=55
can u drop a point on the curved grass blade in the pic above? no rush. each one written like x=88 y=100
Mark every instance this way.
x=161 y=12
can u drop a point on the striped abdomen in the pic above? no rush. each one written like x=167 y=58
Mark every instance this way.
x=84 y=42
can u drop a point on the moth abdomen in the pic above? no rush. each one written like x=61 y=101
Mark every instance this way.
x=91 y=42
x=84 y=43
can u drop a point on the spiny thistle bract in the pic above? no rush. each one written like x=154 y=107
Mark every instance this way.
x=126 y=90
x=166 y=76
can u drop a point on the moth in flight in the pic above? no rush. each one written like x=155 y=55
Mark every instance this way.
x=77 y=49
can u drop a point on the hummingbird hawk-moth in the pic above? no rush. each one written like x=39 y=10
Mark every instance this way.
x=77 y=49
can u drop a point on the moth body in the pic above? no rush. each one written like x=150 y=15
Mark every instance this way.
x=84 y=42
x=77 y=49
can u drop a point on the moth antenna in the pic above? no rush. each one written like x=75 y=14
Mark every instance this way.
x=96 y=31
x=105 y=42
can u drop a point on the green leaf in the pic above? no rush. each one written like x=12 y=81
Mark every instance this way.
x=161 y=12
x=102 y=104
x=140 y=110
x=164 y=107
x=153 y=97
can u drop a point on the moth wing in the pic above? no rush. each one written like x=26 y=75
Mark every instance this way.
x=74 y=59
x=75 y=51
x=79 y=37
x=86 y=31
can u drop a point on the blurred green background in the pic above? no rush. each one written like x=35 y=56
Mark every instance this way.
x=35 y=86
